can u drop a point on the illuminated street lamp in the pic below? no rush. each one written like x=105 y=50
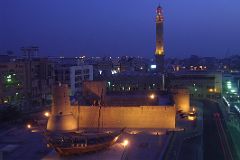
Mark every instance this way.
x=125 y=143
x=210 y=90
x=29 y=126
x=152 y=96
x=46 y=114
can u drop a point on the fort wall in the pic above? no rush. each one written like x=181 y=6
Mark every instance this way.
x=129 y=117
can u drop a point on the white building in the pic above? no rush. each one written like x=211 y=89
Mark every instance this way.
x=78 y=74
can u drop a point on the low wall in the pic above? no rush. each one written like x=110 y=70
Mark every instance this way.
x=129 y=117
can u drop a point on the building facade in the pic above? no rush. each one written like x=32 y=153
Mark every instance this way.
x=74 y=76
x=78 y=74
x=199 y=84
x=135 y=81
x=26 y=82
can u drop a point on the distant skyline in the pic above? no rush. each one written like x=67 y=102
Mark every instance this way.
x=117 y=28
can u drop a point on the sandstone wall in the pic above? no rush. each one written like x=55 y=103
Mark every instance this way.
x=182 y=99
x=130 y=117
x=94 y=87
x=61 y=101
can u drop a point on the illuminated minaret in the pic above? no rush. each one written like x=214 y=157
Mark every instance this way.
x=159 y=53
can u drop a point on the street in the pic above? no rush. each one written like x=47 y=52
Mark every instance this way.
x=212 y=143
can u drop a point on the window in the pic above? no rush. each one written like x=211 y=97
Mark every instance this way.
x=78 y=72
x=86 y=77
x=66 y=71
x=78 y=78
x=67 y=78
x=86 y=71
x=77 y=85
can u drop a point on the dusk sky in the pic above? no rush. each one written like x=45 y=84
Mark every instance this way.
x=123 y=27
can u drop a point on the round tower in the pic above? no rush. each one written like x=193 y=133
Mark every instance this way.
x=61 y=118
x=182 y=99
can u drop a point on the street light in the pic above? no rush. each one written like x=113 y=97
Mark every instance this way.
x=46 y=114
x=210 y=90
x=125 y=143
x=152 y=96
x=29 y=126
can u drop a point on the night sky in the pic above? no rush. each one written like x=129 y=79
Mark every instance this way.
x=120 y=27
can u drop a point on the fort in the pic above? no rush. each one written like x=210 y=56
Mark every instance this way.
x=67 y=117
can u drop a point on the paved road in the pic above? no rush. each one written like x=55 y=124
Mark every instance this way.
x=211 y=139
x=189 y=148
x=223 y=138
